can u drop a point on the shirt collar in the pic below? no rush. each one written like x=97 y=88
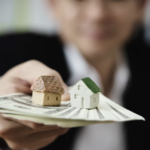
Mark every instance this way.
x=80 y=68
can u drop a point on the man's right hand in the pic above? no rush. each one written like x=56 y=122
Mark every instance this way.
x=25 y=134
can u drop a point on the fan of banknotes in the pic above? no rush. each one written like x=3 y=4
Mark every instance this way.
x=20 y=106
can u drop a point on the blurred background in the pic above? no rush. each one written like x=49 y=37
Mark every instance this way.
x=25 y=15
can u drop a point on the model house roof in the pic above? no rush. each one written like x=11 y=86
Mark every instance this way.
x=47 y=84
x=91 y=85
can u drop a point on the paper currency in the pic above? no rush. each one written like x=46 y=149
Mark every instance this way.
x=20 y=106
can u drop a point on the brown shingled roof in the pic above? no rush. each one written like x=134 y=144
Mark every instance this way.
x=47 y=84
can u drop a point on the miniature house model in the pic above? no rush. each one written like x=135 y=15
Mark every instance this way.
x=85 y=94
x=47 y=91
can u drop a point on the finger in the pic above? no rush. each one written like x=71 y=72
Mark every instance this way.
x=29 y=124
x=13 y=85
x=31 y=70
x=46 y=135
x=34 y=125
x=66 y=88
x=13 y=130
x=35 y=69
x=35 y=140
x=9 y=127
x=28 y=143
x=21 y=85
x=43 y=144
x=65 y=97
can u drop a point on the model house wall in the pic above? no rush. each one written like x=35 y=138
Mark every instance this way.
x=83 y=97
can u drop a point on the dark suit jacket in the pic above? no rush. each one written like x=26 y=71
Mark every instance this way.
x=17 y=48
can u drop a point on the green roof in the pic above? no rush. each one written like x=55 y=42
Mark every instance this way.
x=91 y=85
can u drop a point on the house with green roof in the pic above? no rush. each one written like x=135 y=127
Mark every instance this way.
x=85 y=94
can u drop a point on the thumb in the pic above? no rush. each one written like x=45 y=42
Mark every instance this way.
x=66 y=95
x=29 y=71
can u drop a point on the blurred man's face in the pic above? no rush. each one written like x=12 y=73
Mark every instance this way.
x=97 y=27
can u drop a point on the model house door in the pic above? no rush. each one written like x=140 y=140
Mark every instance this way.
x=82 y=102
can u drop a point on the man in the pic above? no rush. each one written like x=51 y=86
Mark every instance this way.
x=93 y=34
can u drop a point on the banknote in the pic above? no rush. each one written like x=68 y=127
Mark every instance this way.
x=20 y=106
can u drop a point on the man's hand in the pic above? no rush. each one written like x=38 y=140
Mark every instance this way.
x=21 y=77
x=28 y=135
x=25 y=134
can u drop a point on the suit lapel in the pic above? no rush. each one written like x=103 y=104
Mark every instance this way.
x=135 y=98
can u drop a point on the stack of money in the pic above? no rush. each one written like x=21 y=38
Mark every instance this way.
x=20 y=106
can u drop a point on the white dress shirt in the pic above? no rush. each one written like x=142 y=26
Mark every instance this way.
x=101 y=136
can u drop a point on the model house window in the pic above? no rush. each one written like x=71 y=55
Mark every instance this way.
x=56 y=98
x=48 y=98
x=79 y=87
x=76 y=96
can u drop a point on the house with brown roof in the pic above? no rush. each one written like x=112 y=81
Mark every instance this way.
x=47 y=91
